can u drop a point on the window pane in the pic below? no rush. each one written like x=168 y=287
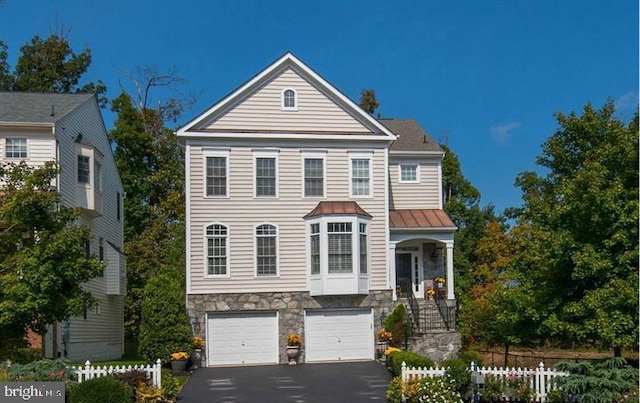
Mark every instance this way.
x=265 y=176
x=266 y=253
x=408 y=173
x=315 y=252
x=360 y=177
x=216 y=176
x=83 y=169
x=289 y=99
x=339 y=245
x=16 y=148
x=313 y=177
x=217 y=249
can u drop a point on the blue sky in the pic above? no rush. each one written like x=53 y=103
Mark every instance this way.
x=487 y=76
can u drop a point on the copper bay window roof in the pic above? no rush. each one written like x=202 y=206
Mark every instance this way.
x=337 y=207
x=420 y=218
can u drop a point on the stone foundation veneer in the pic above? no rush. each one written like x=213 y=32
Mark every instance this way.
x=290 y=307
x=438 y=346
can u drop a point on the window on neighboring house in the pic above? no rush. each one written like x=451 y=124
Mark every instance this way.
x=97 y=176
x=409 y=173
x=289 y=99
x=265 y=176
x=313 y=177
x=217 y=249
x=87 y=248
x=360 y=177
x=216 y=181
x=118 y=201
x=101 y=249
x=266 y=250
x=339 y=243
x=363 y=248
x=315 y=249
x=15 y=148
x=84 y=170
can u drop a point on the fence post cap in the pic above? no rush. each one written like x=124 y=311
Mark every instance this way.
x=88 y=363
x=404 y=364
x=158 y=361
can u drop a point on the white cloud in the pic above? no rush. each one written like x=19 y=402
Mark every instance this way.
x=627 y=101
x=502 y=133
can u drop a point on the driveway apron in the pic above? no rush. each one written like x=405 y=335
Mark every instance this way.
x=350 y=382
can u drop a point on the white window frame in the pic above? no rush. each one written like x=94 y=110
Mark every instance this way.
x=213 y=154
x=265 y=154
x=89 y=169
x=361 y=156
x=277 y=247
x=26 y=148
x=295 y=100
x=367 y=236
x=315 y=156
x=417 y=167
x=323 y=222
x=227 y=251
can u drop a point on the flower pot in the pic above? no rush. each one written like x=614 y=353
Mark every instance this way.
x=292 y=354
x=196 y=359
x=178 y=366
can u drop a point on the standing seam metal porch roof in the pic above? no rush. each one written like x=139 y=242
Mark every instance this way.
x=337 y=207
x=420 y=218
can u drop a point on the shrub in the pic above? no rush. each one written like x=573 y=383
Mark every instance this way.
x=135 y=379
x=411 y=359
x=398 y=325
x=493 y=389
x=23 y=355
x=170 y=386
x=598 y=381
x=470 y=355
x=106 y=389
x=164 y=325
x=394 y=392
x=437 y=390
x=459 y=376
x=42 y=370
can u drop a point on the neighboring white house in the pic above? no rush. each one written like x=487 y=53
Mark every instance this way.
x=305 y=214
x=68 y=128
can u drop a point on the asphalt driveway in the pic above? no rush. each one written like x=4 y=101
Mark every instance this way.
x=349 y=382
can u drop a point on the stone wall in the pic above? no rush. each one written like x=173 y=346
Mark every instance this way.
x=289 y=305
x=438 y=346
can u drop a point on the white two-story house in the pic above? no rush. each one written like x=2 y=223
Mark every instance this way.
x=305 y=214
x=68 y=128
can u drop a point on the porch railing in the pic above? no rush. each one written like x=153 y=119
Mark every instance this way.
x=407 y=292
x=447 y=312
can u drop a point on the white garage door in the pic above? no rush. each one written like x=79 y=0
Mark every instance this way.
x=339 y=335
x=242 y=338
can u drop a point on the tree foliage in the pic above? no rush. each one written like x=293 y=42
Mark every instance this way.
x=368 y=101
x=578 y=230
x=43 y=262
x=48 y=65
x=165 y=326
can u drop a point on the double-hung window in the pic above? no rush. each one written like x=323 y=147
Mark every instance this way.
x=15 y=148
x=361 y=185
x=266 y=250
x=315 y=248
x=217 y=249
x=289 y=100
x=266 y=173
x=216 y=174
x=313 y=165
x=364 y=255
x=339 y=237
x=84 y=169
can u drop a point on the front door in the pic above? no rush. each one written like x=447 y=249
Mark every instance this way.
x=403 y=274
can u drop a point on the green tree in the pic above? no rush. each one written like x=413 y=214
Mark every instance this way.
x=579 y=230
x=43 y=263
x=48 y=65
x=165 y=326
x=151 y=165
x=368 y=101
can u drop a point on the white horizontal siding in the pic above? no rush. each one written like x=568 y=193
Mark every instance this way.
x=262 y=110
x=241 y=212
x=41 y=145
x=424 y=194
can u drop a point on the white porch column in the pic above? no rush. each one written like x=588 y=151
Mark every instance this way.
x=392 y=269
x=450 y=280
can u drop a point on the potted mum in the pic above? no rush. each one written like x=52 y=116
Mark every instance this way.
x=384 y=338
x=179 y=362
x=294 y=341
x=196 y=357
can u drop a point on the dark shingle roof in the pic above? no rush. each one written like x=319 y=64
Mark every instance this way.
x=411 y=137
x=32 y=107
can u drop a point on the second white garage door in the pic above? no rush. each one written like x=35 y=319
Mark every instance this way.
x=335 y=335
x=242 y=338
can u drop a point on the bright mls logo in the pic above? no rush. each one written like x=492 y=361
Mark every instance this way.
x=40 y=392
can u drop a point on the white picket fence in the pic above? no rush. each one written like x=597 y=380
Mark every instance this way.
x=89 y=372
x=540 y=378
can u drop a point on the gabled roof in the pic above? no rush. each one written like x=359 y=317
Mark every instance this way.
x=288 y=61
x=28 y=107
x=337 y=208
x=420 y=219
x=411 y=137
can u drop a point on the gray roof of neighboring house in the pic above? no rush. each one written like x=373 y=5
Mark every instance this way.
x=30 y=107
x=411 y=137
